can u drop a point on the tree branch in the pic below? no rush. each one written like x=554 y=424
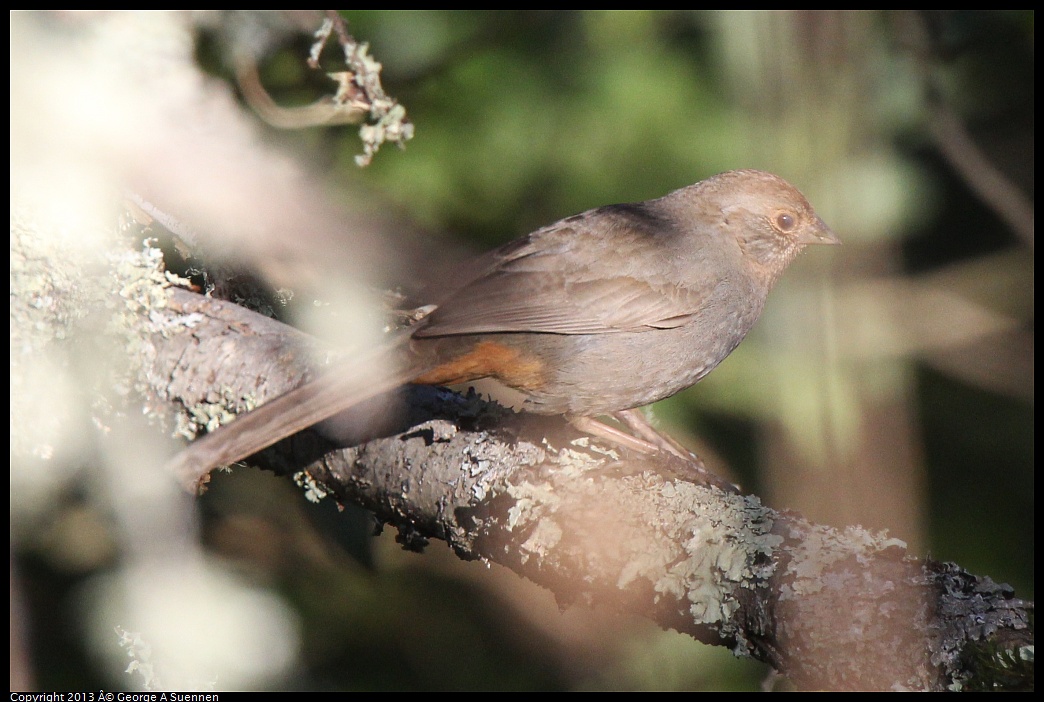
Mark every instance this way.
x=831 y=609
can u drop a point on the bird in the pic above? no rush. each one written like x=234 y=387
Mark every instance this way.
x=600 y=312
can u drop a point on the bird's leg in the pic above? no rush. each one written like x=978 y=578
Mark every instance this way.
x=639 y=424
x=652 y=441
x=590 y=425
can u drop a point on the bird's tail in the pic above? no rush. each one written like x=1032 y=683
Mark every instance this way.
x=339 y=388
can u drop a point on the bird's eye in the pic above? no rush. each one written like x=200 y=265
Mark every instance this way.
x=785 y=221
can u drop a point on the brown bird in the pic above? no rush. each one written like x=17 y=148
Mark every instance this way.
x=604 y=311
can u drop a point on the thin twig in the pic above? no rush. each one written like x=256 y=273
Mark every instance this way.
x=955 y=142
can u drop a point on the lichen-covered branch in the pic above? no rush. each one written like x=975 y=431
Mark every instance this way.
x=831 y=609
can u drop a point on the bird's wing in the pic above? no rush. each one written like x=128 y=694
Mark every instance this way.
x=556 y=281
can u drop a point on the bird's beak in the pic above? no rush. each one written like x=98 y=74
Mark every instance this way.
x=818 y=233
